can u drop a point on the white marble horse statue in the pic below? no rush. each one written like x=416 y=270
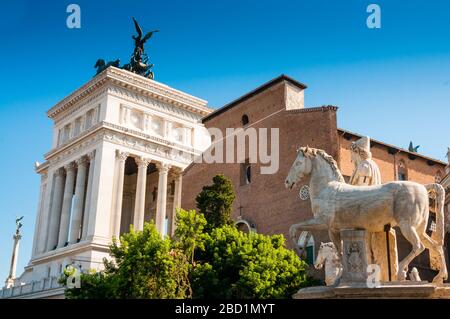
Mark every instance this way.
x=329 y=256
x=337 y=205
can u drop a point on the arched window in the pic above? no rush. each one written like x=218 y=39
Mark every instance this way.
x=245 y=119
x=245 y=226
x=402 y=171
x=246 y=173
x=306 y=241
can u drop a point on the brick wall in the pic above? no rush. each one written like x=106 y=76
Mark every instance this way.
x=265 y=201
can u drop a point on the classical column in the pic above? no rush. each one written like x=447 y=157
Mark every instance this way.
x=121 y=157
x=139 y=206
x=187 y=136
x=147 y=122
x=12 y=270
x=39 y=215
x=125 y=115
x=163 y=169
x=167 y=130
x=55 y=214
x=78 y=200
x=87 y=205
x=67 y=205
x=176 y=201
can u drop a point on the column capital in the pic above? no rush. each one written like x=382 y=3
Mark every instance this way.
x=70 y=167
x=163 y=167
x=90 y=156
x=122 y=156
x=141 y=161
x=59 y=172
x=175 y=172
x=82 y=161
x=44 y=176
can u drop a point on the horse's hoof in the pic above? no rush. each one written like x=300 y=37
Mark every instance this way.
x=401 y=276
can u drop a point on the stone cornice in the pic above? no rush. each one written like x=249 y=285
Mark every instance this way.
x=81 y=103
x=84 y=91
x=68 y=251
x=399 y=149
x=42 y=168
x=323 y=108
x=135 y=83
x=104 y=131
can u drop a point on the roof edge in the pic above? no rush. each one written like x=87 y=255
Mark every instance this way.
x=393 y=146
x=254 y=92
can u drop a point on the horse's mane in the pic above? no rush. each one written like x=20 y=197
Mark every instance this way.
x=329 y=244
x=328 y=158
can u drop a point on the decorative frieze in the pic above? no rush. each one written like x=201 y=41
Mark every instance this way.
x=152 y=103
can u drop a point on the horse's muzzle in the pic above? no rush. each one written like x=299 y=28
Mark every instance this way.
x=288 y=184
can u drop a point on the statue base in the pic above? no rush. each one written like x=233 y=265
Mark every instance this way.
x=9 y=283
x=389 y=290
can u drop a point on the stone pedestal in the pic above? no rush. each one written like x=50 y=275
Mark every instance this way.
x=379 y=254
x=354 y=256
x=392 y=290
x=9 y=283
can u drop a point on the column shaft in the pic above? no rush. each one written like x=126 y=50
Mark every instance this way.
x=39 y=215
x=67 y=205
x=45 y=222
x=121 y=157
x=163 y=169
x=55 y=213
x=139 y=206
x=78 y=201
x=176 y=203
x=15 y=255
x=87 y=206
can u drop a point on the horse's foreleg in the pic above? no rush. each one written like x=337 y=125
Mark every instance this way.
x=307 y=225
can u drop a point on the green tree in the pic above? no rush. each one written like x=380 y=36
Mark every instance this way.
x=215 y=202
x=224 y=263
x=189 y=234
x=145 y=266
x=234 y=264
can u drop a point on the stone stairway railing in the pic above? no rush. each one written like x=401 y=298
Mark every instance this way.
x=45 y=284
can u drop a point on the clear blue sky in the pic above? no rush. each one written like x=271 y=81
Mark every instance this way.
x=392 y=84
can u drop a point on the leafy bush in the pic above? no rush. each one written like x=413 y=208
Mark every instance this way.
x=145 y=266
x=234 y=264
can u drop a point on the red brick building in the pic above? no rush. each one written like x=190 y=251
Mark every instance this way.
x=262 y=202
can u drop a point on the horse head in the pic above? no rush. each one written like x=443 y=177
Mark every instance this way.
x=301 y=167
x=326 y=251
x=99 y=63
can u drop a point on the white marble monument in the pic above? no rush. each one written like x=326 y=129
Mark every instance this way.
x=120 y=144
